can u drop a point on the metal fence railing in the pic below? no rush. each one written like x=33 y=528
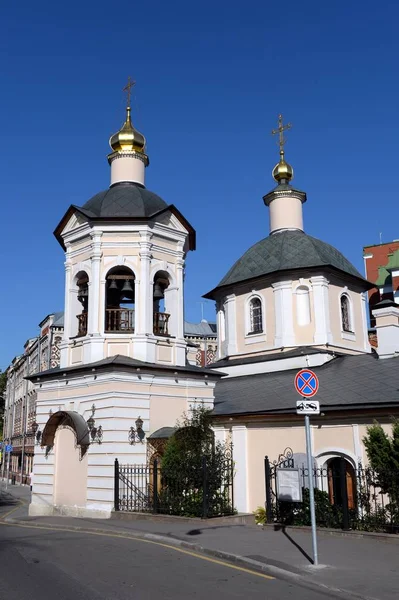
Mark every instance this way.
x=359 y=498
x=144 y=488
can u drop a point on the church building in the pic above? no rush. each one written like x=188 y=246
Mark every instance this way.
x=124 y=371
x=291 y=302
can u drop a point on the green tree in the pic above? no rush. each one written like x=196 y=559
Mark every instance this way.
x=196 y=471
x=383 y=454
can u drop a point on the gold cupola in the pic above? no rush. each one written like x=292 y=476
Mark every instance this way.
x=127 y=139
x=282 y=172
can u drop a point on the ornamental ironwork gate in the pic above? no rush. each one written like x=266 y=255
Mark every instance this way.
x=345 y=497
x=143 y=488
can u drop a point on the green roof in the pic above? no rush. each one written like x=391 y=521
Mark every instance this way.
x=393 y=262
x=383 y=278
x=283 y=251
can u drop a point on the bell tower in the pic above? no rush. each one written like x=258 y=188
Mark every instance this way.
x=125 y=253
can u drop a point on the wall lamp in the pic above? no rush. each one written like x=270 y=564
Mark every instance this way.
x=136 y=434
x=96 y=433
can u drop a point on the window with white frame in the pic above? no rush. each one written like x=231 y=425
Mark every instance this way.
x=346 y=319
x=255 y=316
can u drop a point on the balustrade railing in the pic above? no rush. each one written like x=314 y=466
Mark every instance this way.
x=119 y=320
x=161 y=323
x=82 y=324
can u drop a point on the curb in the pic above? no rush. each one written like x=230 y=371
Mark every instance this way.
x=391 y=538
x=269 y=569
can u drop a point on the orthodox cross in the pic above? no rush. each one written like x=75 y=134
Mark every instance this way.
x=280 y=131
x=128 y=89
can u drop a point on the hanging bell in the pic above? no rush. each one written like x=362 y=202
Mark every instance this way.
x=158 y=293
x=127 y=292
x=113 y=285
x=127 y=287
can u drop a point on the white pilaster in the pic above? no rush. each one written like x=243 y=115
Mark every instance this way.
x=231 y=324
x=284 y=314
x=67 y=309
x=94 y=289
x=366 y=343
x=240 y=455
x=321 y=304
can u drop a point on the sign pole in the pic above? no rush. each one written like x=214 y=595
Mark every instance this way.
x=8 y=468
x=311 y=490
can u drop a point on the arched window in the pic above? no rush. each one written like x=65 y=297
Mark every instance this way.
x=161 y=314
x=302 y=305
x=255 y=316
x=83 y=297
x=119 y=303
x=346 y=314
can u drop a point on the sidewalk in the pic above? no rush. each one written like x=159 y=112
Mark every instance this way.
x=359 y=567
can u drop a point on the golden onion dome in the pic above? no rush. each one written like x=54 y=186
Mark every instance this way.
x=127 y=139
x=283 y=171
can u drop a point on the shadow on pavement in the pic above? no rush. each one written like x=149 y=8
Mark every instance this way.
x=282 y=528
x=200 y=531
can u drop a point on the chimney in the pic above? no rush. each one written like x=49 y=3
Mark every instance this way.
x=386 y=315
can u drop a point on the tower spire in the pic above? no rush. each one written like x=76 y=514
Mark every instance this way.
x=282 y=172
x=128 y=157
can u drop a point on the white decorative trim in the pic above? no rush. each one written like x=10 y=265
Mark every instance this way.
x=347 y=335
x=321 y=307
x=248 y=333
x=283 y=309
x=240 y=456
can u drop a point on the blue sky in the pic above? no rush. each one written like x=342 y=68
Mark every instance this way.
x=211 y=80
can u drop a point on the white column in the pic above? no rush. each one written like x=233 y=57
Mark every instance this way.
x=240 y=455
x=144 y=301
x=94 y=289
x=366 y=343
x=67 y=310
x=284 y=314
x=221 y=332
x=231 y=324
x=180 y=296
x=321 y=304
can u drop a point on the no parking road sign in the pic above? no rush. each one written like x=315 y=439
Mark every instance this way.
x=306 y=383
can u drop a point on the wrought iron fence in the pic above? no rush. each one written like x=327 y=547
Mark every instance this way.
x=143 y=488
x=345 y=497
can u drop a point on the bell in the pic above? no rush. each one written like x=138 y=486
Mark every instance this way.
x=127 y=287
x=158 y=293
x=113 y=285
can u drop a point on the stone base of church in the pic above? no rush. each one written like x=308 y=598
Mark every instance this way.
x=82 y=512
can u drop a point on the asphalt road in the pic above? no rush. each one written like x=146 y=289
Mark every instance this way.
x=40 y=564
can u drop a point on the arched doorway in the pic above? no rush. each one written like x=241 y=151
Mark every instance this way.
x=67 y=434
x=335 y=490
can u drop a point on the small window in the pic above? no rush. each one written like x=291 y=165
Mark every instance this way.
x=255 y=316
x=345 y=314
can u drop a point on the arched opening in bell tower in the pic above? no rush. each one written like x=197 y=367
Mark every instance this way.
x=161 y=310
x=119 y=300
x=81 y=305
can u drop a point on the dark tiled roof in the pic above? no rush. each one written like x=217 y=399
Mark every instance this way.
x=286 y=250
x=124 y=200
x=126 y=362
x=163 y=433
x=280 y=355
x=345 y=382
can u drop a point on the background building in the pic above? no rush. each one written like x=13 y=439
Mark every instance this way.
x=381 y=263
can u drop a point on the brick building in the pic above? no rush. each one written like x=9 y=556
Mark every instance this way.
x=382 y=268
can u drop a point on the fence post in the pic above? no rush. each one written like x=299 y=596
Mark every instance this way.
x=344 y=494
x=268 y=491
x=116 y=485
x=155 y=486
x=204 y=489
